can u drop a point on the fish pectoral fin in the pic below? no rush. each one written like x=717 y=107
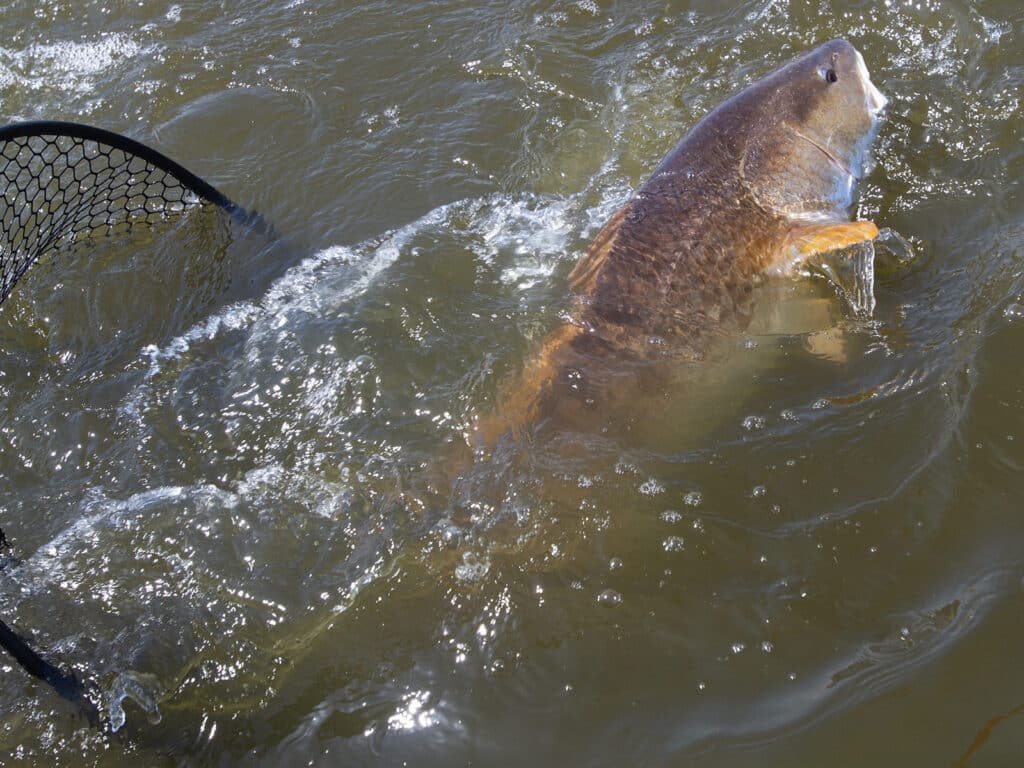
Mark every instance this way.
x=823 y=238
x=844 y=255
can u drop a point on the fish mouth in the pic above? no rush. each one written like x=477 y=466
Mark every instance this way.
x=874 y=100
x=839 y=164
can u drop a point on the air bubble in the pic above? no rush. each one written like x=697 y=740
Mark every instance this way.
x=472 y=568
x=651 y=487
x=753 y=423
x=673 y=544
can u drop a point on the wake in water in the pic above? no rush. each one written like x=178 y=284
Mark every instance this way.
x=523 y=240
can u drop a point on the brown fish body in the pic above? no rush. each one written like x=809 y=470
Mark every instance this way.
x=765 y=176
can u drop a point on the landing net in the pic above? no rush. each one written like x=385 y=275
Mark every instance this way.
x=60 y=182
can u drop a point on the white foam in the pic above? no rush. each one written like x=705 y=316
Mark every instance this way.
x=235 y=317
x=68 y=65
x=531 y=234
x=104 y=513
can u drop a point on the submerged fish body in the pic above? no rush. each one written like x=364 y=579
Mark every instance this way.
x=762 y=181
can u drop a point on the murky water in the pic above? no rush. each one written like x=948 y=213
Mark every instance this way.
x=226 y=462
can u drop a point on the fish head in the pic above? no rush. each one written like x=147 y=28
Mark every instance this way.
x=812 y=123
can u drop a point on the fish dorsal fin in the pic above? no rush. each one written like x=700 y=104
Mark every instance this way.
x=585 y=272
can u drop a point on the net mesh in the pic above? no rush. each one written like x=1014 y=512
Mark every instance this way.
x=57 y=188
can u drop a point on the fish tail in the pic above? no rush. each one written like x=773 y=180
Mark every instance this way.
x=520 y=407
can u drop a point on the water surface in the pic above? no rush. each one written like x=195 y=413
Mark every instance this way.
x=225 y=461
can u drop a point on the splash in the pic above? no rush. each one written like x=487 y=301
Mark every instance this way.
x=140 y=688
x=851 y=272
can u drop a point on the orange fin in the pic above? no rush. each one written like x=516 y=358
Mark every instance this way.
x=844 y=255
x=518 y=405
x=822 y=238
x=585 y=272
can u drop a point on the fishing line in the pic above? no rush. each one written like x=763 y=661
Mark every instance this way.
x=64 y=182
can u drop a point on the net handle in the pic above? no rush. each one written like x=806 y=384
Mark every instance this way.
x=203 y=189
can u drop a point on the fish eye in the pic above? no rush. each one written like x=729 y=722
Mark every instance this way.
x=830 y=76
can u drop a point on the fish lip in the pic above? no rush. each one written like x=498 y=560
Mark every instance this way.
x=874 y=100
x=832 y=158
x=879 y=102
